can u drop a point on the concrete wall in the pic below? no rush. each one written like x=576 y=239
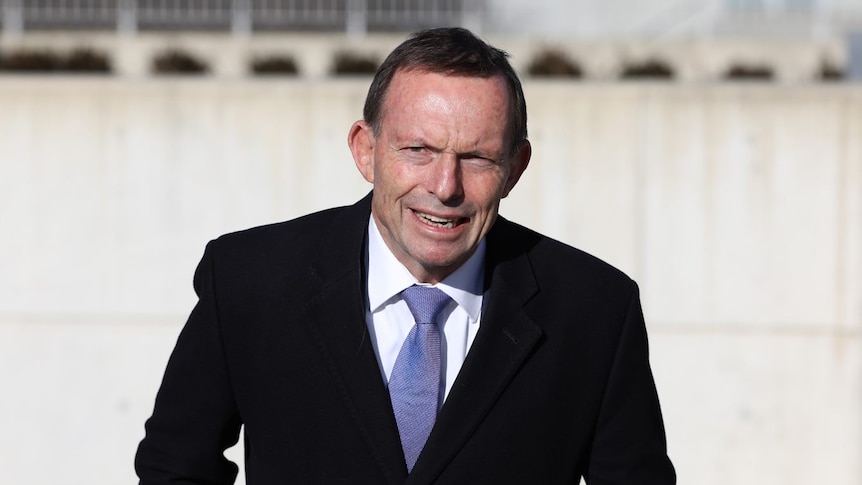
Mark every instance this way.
x=738 y=208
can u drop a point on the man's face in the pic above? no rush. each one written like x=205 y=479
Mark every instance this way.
x=440 y=165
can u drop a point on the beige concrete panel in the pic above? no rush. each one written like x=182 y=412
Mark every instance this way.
x=674 y=248
x=771 y=408
x=55 y=161
x=129 y=181
x=743 y=209
x=581 y=185
x=332 y=177
x=773 y=174
x=76 y=394
x=849 y=250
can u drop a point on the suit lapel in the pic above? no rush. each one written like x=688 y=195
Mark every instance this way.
x=506 y=337
x=337 y=322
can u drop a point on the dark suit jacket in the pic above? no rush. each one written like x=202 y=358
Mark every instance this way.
x=556 y=385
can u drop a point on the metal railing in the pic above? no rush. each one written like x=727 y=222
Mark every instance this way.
x=359 y=16
x=238 y=15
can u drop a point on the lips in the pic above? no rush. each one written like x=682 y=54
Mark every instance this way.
x=441 y=222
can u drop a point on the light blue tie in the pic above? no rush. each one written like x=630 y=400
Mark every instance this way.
x=414 y=384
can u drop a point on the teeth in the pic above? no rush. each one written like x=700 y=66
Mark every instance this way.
x=437 y=221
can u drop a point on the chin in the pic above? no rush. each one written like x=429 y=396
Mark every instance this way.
x=443 y=263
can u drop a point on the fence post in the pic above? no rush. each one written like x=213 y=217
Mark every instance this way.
x=240 y=17
x=854 y=61
x=13 y=18
x=820 y=17
x=471 y=15
x=127 y=17
x=356 y=23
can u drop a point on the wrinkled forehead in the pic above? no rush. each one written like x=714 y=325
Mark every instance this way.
x=411 y=89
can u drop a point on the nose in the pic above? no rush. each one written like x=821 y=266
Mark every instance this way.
x=447 y=182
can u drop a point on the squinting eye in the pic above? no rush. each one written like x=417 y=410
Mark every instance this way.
x=480 y=162
x=415 y=149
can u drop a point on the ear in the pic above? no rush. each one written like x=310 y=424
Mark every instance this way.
x=518 y=164
x=361 y=142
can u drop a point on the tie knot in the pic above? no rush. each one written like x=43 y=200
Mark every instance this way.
x=425 y=302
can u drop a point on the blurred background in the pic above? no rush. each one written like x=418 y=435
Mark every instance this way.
x=712 y=149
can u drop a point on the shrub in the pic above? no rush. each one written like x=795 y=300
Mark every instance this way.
x=648 y=69
x=553 y=63
x=175 y=61
x=277 y=65
x=31 y=60
x=87 y=60
x=350 y=63
x=829 y=71
x=43 y=60
x=752 y=72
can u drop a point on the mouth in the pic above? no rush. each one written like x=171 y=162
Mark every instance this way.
x=441 y=222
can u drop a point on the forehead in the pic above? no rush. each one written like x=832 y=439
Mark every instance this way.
x=466 y=99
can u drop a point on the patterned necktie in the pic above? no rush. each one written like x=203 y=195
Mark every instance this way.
x=414 y=385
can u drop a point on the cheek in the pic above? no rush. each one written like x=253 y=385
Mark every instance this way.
x=486 y=191
x=384 y=180
x=398 y=179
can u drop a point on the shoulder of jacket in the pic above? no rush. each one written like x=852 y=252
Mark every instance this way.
x=548 y=255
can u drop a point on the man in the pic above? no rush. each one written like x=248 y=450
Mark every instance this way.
x=531 y=368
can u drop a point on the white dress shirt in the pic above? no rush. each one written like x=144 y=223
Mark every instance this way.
x=389 y=320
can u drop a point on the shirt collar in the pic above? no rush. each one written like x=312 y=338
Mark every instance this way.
x=387 y=277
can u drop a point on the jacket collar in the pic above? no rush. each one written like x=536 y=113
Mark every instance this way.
x=336 y=316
